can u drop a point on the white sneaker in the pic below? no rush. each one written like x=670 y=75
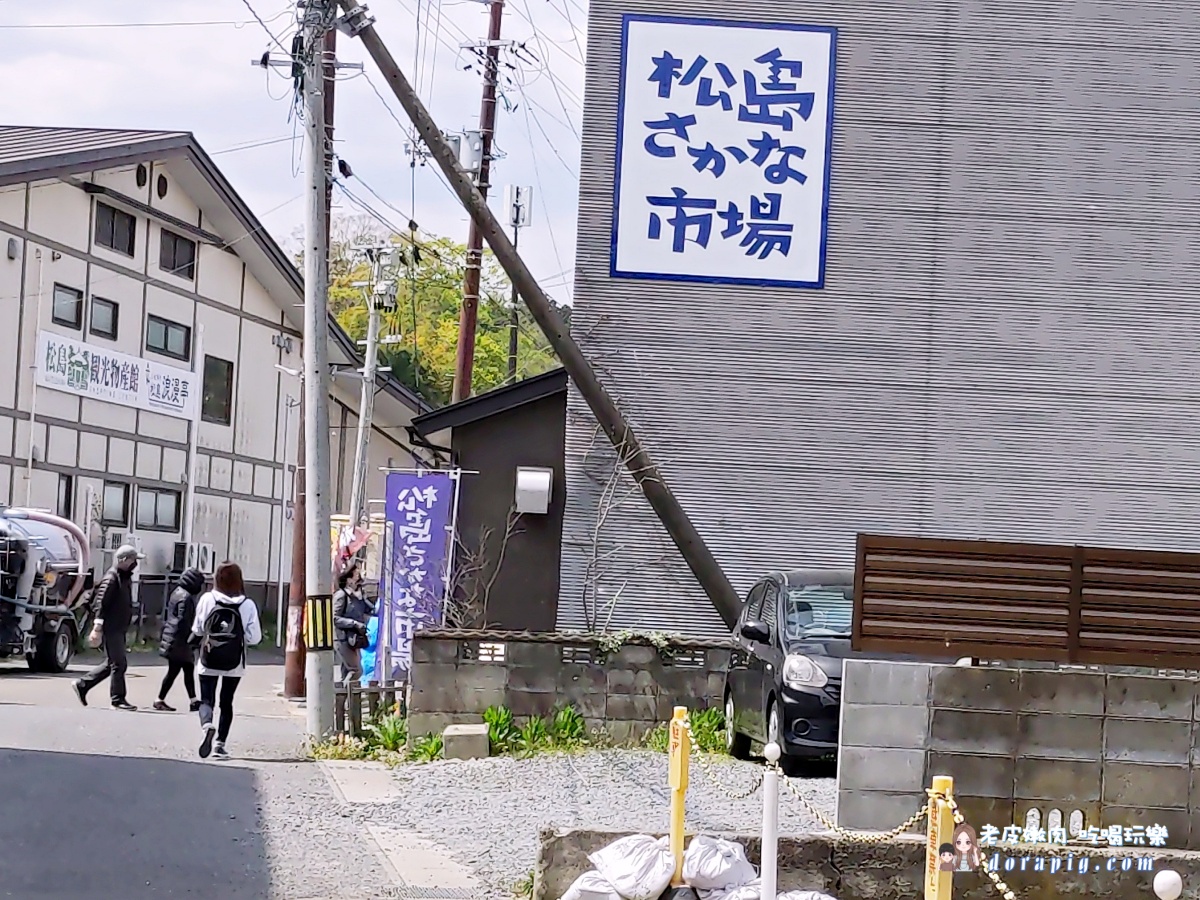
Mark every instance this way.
x=210 y=731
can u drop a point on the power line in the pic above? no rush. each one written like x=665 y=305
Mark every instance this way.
x=270 y=34
x=89 y=25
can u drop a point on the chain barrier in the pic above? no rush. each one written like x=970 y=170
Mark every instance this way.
x=866 y=837
x=709 y=770
x=996 y=880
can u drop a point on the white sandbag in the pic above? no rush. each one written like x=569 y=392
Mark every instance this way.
x=591 y=886
x=638 y=866
x=805 y=895
x=751 y=891
x=716 y=864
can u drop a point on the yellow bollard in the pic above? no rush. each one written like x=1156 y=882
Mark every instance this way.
x=679 y=751
x=938 y=883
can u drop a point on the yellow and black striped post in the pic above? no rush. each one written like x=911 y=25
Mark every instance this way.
x=318 y=622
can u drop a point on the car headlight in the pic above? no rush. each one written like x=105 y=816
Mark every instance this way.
x=801 y=672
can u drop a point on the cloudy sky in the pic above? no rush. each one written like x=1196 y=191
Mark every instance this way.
x=101 y=63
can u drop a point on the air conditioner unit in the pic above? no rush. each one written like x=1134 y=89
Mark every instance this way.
x=206 y=561
x=115 y=540
x=192 y=559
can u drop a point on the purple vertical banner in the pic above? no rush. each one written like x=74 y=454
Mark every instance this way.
x=419 y=507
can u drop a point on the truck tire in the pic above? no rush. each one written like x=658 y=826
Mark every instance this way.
x=54 y=650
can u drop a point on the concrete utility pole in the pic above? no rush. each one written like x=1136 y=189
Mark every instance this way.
x=316 y=20
x=294 y=660
x=464 y=362
x=380 y=296
x=641 y=467
x=518 y=216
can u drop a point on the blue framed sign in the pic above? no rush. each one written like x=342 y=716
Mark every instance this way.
x=724 y=132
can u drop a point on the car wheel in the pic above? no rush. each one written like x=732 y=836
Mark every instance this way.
x=737 y=744
x=789 y=765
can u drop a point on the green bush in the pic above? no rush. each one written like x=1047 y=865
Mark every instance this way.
x=502 y=729
x=534 y=736
x=427 y=748
x=388 y=733
x=567 y=728
x=708 y=730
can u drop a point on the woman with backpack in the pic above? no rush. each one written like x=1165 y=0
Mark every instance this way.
x=226 y=623
x=173 y=646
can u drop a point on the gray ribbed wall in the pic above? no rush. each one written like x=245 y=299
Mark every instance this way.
x=1008 y=342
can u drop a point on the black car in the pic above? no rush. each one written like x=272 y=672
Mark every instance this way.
x=785 y=677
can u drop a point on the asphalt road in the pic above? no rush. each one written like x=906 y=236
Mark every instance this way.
x=107 y=805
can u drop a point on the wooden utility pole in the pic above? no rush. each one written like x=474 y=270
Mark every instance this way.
x=464 y=362
x=293 y=677
x=629 y=450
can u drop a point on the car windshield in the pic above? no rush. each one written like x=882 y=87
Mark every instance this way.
x=818 y=611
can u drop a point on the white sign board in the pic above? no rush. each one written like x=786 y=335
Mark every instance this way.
x=723 y=145
x=82 y=369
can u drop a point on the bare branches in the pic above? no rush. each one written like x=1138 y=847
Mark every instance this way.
x=475 y=572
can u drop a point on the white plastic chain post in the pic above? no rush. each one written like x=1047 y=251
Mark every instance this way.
x=770 y=834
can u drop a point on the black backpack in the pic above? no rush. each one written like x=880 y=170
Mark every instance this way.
x=223 y=643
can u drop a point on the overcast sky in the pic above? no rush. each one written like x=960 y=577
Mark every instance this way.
x=198 y=78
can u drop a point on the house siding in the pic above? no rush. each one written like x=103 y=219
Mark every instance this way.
x=1004 y=346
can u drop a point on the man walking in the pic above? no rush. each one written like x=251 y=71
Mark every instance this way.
x=113 y=607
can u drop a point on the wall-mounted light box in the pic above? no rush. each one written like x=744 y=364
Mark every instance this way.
x=534 y=485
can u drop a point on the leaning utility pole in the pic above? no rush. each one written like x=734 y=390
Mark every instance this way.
x=629 y=450
x=294 y=661
x=464 y=362
x=318 y=610
x=380 y=296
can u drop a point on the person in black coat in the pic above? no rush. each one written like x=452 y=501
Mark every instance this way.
x=173 y=646
x=113 y=606
x=351 y=610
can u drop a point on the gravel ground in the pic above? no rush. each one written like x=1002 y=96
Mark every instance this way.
x=488 y=812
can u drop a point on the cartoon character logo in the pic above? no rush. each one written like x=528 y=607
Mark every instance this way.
x=946 y=852
x=966 y=848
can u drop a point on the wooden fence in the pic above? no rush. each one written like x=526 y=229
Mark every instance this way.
x=363 y=702
x=1008 y=601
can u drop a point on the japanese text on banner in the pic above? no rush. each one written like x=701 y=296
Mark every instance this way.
x=723 y=161
x=419 y=508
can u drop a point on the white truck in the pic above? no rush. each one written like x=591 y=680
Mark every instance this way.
x=45 y=586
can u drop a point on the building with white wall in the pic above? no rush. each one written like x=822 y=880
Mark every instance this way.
x=146 y=318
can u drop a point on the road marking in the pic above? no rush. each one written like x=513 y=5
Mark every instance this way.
x=361 y=782
x=422 y=869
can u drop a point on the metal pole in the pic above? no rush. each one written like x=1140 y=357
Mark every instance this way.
x=769 y=858
x=366 y=406
x=317 y=574
x=456 y=480
x=281 y=603
x=33 y=388
x=514 y=322
x=630 y=452
x=189 y=524
x=464 y=362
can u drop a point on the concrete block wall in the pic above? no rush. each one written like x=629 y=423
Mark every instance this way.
x=1120 y=749
x=626 y=693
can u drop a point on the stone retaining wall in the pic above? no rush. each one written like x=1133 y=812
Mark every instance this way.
x=1121 y=749
x=854 y=870
x=627 y=693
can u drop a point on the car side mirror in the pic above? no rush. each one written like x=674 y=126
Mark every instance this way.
x=758 y=632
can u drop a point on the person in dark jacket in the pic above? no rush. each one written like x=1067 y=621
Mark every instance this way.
x=173 y=645
x=351 y=610
x=113 y=607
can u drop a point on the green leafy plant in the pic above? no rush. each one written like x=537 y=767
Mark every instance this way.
x=502 y=729
x=341 y=746
x=567 y=728
x=534 y=736
x=427 y=749
x=610 y=642
x=389 y=733
x=524 y=886
x=708 y=730
x=657 y=739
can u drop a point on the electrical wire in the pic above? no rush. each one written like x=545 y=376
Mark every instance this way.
x=90 y=25
x=261 y=22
